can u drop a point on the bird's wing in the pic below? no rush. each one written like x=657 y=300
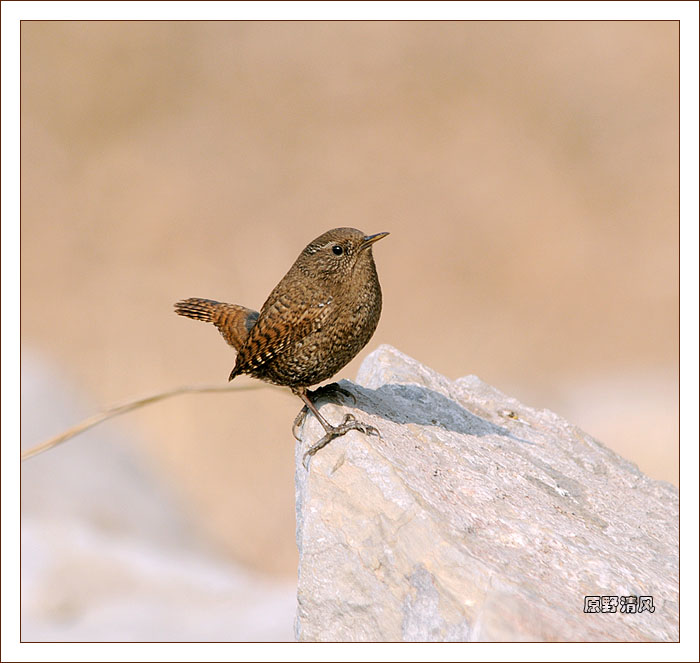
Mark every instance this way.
x=283 y=321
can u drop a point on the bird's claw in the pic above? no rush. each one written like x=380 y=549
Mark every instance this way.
x=330 y=392
x=298 y=420
x=349 y=423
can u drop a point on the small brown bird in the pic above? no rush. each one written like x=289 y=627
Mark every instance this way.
x=320 y=315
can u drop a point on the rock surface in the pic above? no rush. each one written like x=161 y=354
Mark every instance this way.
x=476 y=518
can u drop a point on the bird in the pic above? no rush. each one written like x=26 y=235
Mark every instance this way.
x=315 y=321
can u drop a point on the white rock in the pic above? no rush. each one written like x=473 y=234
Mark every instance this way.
x=474 y=517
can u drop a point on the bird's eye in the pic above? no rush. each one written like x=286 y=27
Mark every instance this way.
x=338 y=250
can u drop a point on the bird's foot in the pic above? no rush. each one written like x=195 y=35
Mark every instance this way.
x=349 y=424
x=331 y=392
x=298 y=421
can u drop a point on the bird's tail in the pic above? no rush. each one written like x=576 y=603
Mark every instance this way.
x=233 y=321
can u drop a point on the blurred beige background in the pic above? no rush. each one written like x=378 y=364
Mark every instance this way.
x=527 y=172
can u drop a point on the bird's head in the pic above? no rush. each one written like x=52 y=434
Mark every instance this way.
x=338 y=254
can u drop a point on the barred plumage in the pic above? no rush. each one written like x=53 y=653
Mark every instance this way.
x=233 y=321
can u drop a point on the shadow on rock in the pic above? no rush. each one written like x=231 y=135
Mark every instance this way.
x=411 y=403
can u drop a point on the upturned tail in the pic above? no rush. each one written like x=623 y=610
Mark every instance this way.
x=233 y=321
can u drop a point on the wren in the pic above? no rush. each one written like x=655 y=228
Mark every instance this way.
x=318 y=317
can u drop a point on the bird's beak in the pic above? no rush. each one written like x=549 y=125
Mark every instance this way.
x=368 y=240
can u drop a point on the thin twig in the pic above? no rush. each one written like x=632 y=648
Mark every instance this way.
x=127 y=407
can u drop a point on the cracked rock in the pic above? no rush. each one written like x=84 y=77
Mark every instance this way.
x=475 y=518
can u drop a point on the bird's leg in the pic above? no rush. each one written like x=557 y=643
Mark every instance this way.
x=331 y=392
x=349 y=423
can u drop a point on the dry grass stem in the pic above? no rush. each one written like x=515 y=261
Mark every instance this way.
x=127 y=407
